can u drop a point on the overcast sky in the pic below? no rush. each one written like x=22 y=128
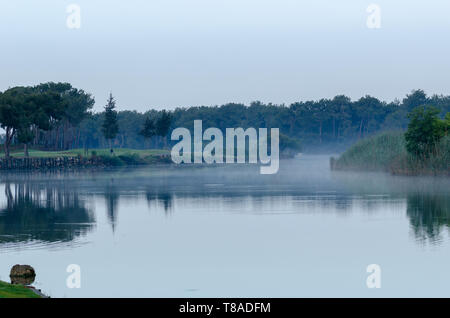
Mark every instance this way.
x=169 y=53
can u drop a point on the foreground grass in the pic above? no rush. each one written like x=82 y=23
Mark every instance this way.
x=387 y=152
x=16 y=291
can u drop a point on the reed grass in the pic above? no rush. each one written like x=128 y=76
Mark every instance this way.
x=387 y=152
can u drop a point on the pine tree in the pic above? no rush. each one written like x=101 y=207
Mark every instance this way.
x=163 y=125
x=149 y=129
x=110 y=127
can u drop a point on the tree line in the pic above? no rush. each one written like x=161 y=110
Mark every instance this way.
x=57 y=116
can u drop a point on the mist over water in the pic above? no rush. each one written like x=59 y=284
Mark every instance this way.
x=226 y=230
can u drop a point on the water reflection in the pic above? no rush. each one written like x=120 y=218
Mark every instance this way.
x=35 y=211
x=57 y=207
x=112 y=201
x=429 y=215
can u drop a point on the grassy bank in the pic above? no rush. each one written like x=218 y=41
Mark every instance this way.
x=121 y=157
x=16 y=291
x=81 y=152
x=387 y=152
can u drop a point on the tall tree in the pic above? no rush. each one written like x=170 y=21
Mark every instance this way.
x=110 y=127
x=149 y=129
x=23 y=110
x=415 y=99
x=12 y=103
x=340 y=107
x=163 y=125
x=77 y=107
x=28 y=118
x=44 y=109
x=365 y=113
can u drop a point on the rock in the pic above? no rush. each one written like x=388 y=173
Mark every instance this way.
x=22 y=271
x=25 y=281
x=22 y=274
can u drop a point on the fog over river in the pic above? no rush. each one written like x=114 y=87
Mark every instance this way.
x=227 y=231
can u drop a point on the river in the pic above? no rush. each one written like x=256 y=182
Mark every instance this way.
x=227 y=231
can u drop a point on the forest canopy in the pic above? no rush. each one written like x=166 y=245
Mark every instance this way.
x=57 y=116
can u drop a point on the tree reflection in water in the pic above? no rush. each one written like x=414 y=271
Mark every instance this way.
x=428 y=214
x=43 y=212
x=54 y=208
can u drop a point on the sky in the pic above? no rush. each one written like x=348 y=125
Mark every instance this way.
x=179 y=53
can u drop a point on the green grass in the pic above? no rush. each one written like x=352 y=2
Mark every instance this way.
x=121 y=156
x=374 y=153
x=142 y=153
x=16 y=291
x=387 y=152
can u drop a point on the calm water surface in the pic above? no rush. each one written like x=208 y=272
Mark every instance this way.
x=227 y=231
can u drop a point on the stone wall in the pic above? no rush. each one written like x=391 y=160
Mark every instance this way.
x=48 y=163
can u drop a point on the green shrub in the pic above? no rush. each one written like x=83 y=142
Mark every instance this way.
x=425 y=129
x=131 y=159
x=111 y=161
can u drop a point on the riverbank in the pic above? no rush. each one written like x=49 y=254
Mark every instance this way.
x=18 y=291
x=387 y=152
x=77 y=158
